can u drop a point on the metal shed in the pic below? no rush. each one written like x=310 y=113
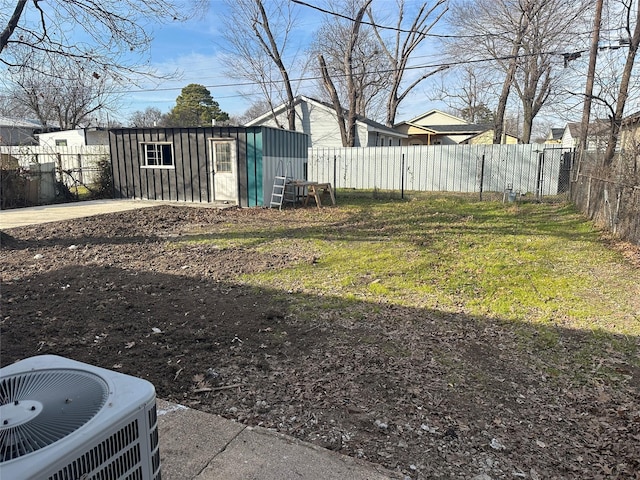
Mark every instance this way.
x=205 y=164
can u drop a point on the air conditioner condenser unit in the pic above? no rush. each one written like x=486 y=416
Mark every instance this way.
x=65 y=420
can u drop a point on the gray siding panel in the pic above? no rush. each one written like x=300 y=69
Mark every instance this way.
x=190 y=179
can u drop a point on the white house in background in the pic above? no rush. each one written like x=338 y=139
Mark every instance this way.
x=319 y=120
x=596 y=139
x=17 y=131
x=79 y=137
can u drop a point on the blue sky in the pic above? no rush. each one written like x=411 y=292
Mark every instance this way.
x=196 y=49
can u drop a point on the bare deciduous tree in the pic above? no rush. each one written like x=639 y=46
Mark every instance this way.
x=149 y=117
x=346 y=117
x=255 y=110
x=399 y=49
x=66 y=94
x=524 y=39
x=100 y=33
x=632 y=31
x=552 y=25
x=466 y=91
x=258 y=36
x=370 y=68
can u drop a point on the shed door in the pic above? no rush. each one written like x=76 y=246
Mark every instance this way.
x=223 y=167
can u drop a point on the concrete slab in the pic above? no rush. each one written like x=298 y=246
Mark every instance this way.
x=260 y=454
x=189 y=439
x=199 y=446
x=20 y=217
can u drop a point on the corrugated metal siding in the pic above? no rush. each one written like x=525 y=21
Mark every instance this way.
x=191 y=178
x=254 y=167
x=281 y=149
x=456 y=168
x=284 y=143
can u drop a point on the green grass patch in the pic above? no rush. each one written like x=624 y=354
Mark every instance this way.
x=540 y=266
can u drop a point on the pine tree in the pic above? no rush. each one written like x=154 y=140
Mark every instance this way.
x=195 y=107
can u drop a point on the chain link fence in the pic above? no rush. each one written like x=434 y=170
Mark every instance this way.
x=75 y=166
x=36 y=175
x=609 y=194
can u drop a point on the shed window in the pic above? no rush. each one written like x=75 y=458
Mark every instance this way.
x=158 y=154
x=223 y=157
x=61 y=143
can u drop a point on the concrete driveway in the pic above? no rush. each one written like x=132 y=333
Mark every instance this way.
x=20 y=217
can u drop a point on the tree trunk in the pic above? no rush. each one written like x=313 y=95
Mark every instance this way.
x=12 y=24
x=498 y=121
x=404 y=47
x=593 y=54
x=274 y=53
x=328 y=84
x=527 y=124
x=352 y=91
x=616 y=121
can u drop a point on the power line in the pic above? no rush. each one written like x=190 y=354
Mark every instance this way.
x=403 y=30
x=386 y=27
x=567 y=56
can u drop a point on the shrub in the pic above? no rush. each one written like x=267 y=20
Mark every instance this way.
x=103 y=187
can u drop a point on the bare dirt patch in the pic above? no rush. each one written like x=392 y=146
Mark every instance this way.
x=428 y=394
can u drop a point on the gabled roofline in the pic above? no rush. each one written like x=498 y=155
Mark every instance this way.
x=415 y=125
x=426 y=114
x=371 y=125
x=469 y=129
x=275 y=111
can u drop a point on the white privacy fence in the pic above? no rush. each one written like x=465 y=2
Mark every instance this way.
x=531 y=169
x=74 y=165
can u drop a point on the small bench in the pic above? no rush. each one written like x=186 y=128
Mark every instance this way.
x=316 y=190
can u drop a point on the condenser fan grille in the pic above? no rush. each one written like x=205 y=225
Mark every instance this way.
x=41 y=407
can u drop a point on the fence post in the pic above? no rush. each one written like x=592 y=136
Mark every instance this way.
x=59 y=163
x=481 y=176
x=402 y=177
x=335 y=168
x=539 y=176
x=80 y=176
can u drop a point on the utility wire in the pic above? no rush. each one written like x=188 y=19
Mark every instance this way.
x=403 y=30
x=396 y=29
x=567 y=57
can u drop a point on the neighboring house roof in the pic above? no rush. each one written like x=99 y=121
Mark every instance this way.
x=371 y=125
x=597 y=127
x=440 y=126
x=19 y=123
x=422 y=119
x=489 y=131
x=634 y=117
x=596 y=138
x=555 y=134
x=378 y=127
x=468 y=129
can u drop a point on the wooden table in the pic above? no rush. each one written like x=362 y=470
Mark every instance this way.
x=313 y=190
